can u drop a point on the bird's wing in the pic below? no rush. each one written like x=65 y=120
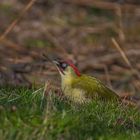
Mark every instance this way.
x=93 y=86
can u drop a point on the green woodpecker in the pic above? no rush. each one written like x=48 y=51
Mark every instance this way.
x=81 y=88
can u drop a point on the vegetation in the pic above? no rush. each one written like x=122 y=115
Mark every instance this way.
x=102 y=37
x=27 y=114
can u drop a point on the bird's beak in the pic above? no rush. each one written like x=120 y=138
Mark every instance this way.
x=57 y=64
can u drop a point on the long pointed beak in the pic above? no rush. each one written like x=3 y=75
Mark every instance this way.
x=55 y=62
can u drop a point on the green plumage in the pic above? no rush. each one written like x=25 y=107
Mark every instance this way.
x=82 y=88
x=93 y=87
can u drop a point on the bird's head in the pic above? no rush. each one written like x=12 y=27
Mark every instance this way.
x=67 y=68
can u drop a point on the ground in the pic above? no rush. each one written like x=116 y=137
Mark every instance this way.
x=27 y=114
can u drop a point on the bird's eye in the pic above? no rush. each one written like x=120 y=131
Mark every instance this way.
x=64 y=65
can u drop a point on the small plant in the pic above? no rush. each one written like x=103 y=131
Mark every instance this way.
x=28 y=114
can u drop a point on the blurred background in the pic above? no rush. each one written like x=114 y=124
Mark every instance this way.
x=90 y=32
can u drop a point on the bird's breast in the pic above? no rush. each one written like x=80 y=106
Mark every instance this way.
x=74 y=94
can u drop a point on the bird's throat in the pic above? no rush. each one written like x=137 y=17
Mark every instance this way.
x=66 y=80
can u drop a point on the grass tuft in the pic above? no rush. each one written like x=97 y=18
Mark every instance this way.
x=25 y=114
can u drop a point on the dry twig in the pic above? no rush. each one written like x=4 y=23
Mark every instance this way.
x=108 y=79
x=121 y=51
x=13 y=24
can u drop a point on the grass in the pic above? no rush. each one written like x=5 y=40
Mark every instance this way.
x=25 y=115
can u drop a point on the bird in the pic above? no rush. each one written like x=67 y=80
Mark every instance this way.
x=81 y=88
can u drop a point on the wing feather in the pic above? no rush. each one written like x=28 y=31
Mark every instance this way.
x=93 y=87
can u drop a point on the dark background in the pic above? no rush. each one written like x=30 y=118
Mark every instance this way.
x=81 y=30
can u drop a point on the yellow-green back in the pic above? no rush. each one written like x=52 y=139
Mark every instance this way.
x=82 y=87
x=93 y=87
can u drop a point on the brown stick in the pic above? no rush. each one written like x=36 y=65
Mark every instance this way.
x=121 y=51
x=13 y=24
x=107 y=76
